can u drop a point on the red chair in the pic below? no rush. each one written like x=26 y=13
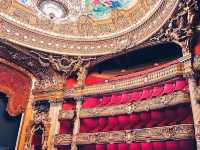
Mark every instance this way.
x=159 y=145
x=157 y=118
x=146 y=93
x=183 y=112
x=135 y=146
x=103 y=122
x=89 y=123
x=136 y=96
x=123 y=146
x=113 y=124
x=169 y=87
x=112 y=147
x=115 y=99
x=100 y=147
x=106 y=100
x=180 y=84
x=187 y=145
x=172 y=145
x=135 y=121
x=90 y=102
x=145 y=118
x=170 y=116
x=157 y=91
x=147 y=146
x=125 y=98
x=124 y=122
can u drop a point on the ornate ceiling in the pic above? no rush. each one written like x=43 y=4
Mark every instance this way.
x=82 y=27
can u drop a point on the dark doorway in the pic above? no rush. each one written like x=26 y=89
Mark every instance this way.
x=9 y=126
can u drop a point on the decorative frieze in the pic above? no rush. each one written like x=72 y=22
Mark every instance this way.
x=140 y=106
x=176 y=132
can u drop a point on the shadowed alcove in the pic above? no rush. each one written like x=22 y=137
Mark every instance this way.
x=9 y=126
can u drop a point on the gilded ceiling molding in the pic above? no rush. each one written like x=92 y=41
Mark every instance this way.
x=124 y=29
x=16 y=83
x=180 y=28
x=176 y=132
x=145 y=105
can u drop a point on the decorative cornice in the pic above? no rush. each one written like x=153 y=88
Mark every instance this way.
x=176 y=132
x=146 y=105
x=157 y=75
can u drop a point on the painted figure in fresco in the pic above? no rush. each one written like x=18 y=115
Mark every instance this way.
x=25 y=2
x=101 y=9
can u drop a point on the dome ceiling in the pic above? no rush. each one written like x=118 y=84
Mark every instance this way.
x=82 y=27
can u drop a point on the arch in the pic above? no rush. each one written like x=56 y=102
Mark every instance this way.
x=16 y=83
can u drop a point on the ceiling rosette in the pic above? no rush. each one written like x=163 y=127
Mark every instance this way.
x=82 y=27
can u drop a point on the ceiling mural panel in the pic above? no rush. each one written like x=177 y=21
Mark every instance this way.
x=82 y=27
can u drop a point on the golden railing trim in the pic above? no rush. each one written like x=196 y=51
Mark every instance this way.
x=178 y=97
x=175 y=132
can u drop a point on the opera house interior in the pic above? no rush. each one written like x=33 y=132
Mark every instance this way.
x=99 y=75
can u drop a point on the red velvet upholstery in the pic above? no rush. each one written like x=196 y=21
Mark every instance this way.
x=159 y=146
x=197 y=48
x=66 y=126
x=187 y=145
x=112 y=147
x=157 y=91
x=147 y=93
x=171 y=116
x=113 y=124
x=116 y=99
x=136 y=95
x=124 y=122
x=172 y=145
x=169 y=88
x=123 y=146
x=180 y=84
x=90 y=102
x=89 y=123
x=135 y=120
x=101 y=147
x=179 y=114
x=145 y=117
x=135 y=146
x=157 y=118
x=125 y=98
x=147 y=146
x=106 y=100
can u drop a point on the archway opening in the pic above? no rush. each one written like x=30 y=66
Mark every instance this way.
x=9 y=126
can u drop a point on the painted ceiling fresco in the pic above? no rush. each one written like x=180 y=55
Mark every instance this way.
x=82 y=27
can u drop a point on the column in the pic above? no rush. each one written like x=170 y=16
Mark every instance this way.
x=55 y=108
x=195 y=109
x=76 y=128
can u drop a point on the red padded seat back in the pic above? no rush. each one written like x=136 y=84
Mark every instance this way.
x=112 y=147
x=90 y=102
x=180 y=84
x=169 y=87
x=157 y=91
